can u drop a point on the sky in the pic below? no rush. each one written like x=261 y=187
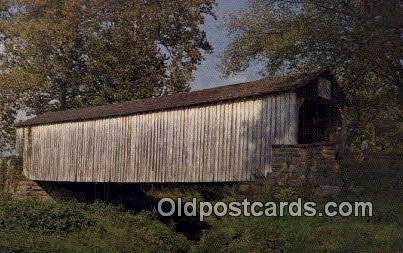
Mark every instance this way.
x=207 y=74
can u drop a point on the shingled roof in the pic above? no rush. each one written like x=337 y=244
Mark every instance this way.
x=185 y=99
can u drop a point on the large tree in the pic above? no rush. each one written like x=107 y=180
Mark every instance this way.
x=359 y=40
x=93 y=52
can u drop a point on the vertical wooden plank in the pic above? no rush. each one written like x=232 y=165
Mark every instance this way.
x=164 y=159
x=97 y=144
x=167 y=147
x=182 y=146
x=223 y=167
x=227 y=126
x=251 y=135
x=179 y=154
x=293 y=119
x=234 y=141
x=276 y=120
x=120 y=149
x=284 y=110
x=189 y=145
x=18 y=141
x=90 y=151
x=248 y=138
x=100 y=140
x=129 y=129
x=143 y=166
x=223 y=144
x=163 y=146
x=148 y=146
x=107 y=150
x=158 y=143
x=207 y=153
x=227 y=146
x=269 y=132
x=66 y=138
x=153 y=142
x=204 y=172
x=288 y=119
x=101 y=162
x=170 y=144
x=133 y=149
x=176 y=150
x=123 y=157
x=173 y=147
x=263 y=117
x=157 y=146
x=202 y=169
x=234 y=138
x=197 y=145
x=258 y=126
x=243 y=140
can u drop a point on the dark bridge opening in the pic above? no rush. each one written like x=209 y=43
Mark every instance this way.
x=318 y=121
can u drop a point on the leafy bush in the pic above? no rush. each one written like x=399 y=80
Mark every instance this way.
x=42 y=217
x=378 y=181
x=375 y=176
x=33 y=226
x=292 y=234
x=284 y=193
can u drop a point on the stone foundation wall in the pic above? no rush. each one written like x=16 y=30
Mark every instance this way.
x=304 y=165
x=13 y=182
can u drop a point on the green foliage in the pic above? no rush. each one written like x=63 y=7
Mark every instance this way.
x=46 y=218
x=379 y=180
x=33 y=226
x=359 y=41
x=96 y=52
x=373 y=177
x=9 y=178
x=265 y=234
x=284 y=194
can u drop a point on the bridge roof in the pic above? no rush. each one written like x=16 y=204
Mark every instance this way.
x=180 y=100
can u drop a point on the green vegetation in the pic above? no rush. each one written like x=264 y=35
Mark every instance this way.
x=33 y=226
x=359 y=41
x=300 y=235
x=379 y=181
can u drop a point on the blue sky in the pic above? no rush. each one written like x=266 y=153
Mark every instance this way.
x=207 y=74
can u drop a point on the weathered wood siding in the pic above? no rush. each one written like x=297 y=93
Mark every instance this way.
x=222 y=142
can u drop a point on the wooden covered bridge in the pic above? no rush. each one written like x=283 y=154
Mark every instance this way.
x=214 y=135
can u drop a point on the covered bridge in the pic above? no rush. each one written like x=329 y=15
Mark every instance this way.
x=214 y=135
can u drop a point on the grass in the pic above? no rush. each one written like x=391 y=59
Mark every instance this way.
x=378 y=181
x=33 y=226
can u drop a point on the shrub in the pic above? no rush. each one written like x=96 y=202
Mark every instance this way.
x=284 y=193
x=306 y=234
x=34 y=226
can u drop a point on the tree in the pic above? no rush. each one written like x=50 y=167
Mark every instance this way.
x=360 y=41
x=94 y=52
